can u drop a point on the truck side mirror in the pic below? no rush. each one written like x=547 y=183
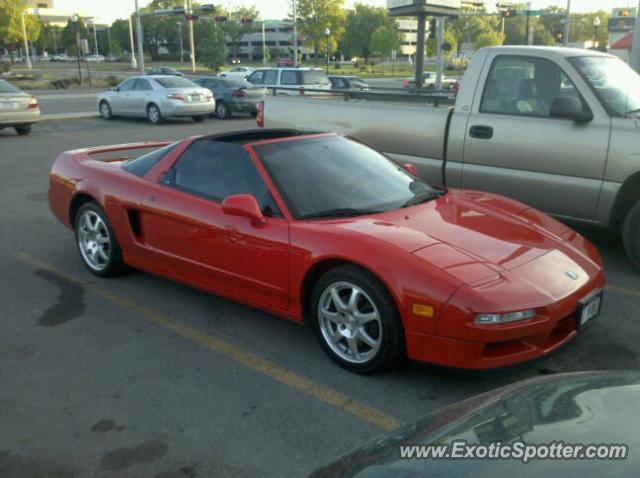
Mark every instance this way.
x=571 y=108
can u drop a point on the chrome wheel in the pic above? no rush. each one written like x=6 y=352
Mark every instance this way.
x=154 y=114
x=350 y=322
x=222 y=111
x=94 y=240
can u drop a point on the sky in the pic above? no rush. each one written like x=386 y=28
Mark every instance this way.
x=109 y=10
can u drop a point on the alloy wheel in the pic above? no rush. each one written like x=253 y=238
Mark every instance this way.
x=94 y=240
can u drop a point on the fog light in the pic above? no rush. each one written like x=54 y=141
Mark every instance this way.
x=488 y=319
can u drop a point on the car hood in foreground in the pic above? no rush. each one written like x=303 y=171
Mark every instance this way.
x=585 y=408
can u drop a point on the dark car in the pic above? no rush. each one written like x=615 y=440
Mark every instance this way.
x=348 y=83
x=233 y=95
x=164 y=70
x=588 y=408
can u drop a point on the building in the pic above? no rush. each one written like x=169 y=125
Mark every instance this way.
x=40 y=4
x=47 y=13
x=278 y=40
x=621 y=26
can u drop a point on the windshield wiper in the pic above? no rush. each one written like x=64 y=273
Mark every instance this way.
x=421 y=198
x=340 y=212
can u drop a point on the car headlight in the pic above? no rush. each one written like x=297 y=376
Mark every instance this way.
x=489 y=319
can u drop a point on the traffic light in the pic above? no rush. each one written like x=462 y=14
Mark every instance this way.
x=208 y=7
x=433 y=26
x=246 y=20
x=509 y=13
x=220 y=18
x=191 y=17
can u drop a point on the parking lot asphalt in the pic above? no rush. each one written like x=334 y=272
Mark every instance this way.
x=142 y=377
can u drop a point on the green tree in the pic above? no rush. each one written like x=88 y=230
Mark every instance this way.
x=158 y=29
x=465 y=29
x=384 y=40
x=210 y=48
x=68 y=35
x=120 y=40
x=315 y=16
x=360 y=24
x=488 y=39
x=11 y=25
x=449 y=43
x=235 y=29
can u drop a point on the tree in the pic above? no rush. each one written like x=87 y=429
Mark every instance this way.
x=315 y=16
x=68 y=36
x=488 y=39
x=466 y=29
x=11 y=25
x=158 y=29
x=235 y=29
x=384 y=40
x=120 y=40
x=449 y=43
x=210 y=48
x=359 y=27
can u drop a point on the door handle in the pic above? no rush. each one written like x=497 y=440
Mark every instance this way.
x=481 y=132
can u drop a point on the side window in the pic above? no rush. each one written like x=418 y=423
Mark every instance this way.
x=143 y=164
x=524 y=86
x=127 y=85
x=257 y=78
x=271 y=77
x=216 y=170
x=289 y=77
x=142 y=85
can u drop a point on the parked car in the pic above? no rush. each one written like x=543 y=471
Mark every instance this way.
x=239 y=72
x=233 y=95
x=560 y=411
x=290 y=81
x=323 y=229
x=95 y=59
x=164 y=71
x=348 y=83
x=157 y=98
x=552 y=127
x=61 y=58
x=18 y=109
x=429 y=82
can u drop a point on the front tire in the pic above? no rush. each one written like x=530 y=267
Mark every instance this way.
x=631 y=234
x=356 y=320
x=198 y=119
x=105 y=111
x=154 y=115
x=222 y=111
x=23 y=130
x=97 y=242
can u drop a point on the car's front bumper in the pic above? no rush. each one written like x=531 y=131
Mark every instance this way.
x=15 y=118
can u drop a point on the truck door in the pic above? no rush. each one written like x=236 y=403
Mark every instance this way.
x=513 y=146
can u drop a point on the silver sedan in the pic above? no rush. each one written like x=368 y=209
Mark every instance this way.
x=17 y=108
x=157 y=98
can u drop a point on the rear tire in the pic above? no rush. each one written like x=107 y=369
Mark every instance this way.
x=97 y=242
x=631 y=234
x=23 y=130
x=356 y=320
x=222 y=111
x=154 y=115
x=198 y=119
x=105 y=111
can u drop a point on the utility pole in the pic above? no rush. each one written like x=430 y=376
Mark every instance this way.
x=527 y=35
x=139 y=35
x=55 y=40
x=422 y=33
x=181 y=41
x=25 y=42
x=295 y=33
x=264 y=45
x=95 y=36
x=567 y=23
x=134 y=63
x=635 y=49
x=438 y=85
x=191 y=39
x=109 y=38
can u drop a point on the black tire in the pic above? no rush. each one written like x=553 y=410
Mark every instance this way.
x=105 y=110
x=254 y=114
x=154 y=115
x=392 y=345
x=199 y=118
x=23 y=129
x=631 y=234
x=114 y=265
x=222 y=110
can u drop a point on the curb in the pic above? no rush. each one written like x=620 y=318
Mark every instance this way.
x=69 y=116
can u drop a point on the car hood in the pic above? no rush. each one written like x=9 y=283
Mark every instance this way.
x=468 y=227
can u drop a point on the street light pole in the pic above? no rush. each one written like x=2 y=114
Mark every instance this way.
x=139 y=35
x=635 y=50
x=26 y=42
x=439 y=37
x=95 y=37
x=76 y=19
x=596 y=24
x=181 y=42
x=567 y=22
x=191 y=39
x=327 y=33
x=134 y=63
x=264 y=45
x=295 y=33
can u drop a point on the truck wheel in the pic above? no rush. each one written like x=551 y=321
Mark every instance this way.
x=631 y=234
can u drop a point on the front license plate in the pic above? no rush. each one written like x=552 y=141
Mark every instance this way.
x=589 y=308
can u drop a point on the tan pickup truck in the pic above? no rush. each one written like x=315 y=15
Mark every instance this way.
x=556 y=128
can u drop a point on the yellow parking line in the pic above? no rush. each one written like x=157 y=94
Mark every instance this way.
x=296 y=381
x=623 y=290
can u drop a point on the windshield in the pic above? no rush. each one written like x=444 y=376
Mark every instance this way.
x=6 y=87
x=314 y=77
x=176 y=82
x=615 y=83
x=333 y=176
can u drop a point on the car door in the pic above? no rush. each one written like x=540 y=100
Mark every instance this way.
x=514 y=147
x=119 y=100
x=184 y=226
x=140 y=96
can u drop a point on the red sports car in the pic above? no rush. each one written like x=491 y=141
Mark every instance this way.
x=319 y=228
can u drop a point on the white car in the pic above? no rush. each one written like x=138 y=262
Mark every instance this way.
x=239 y=72
x=95 y=59
x=156 y=98
x=290 y=81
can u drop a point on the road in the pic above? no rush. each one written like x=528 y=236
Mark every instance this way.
x=141 y=377
x=54 y=103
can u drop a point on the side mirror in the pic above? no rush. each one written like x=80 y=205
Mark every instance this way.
x=115 y=88
x=410 y=168
x=244 y=205
x=569 y=107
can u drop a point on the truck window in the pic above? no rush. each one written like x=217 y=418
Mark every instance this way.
x=270 y=77
x=289 y=77
x=524 y=86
